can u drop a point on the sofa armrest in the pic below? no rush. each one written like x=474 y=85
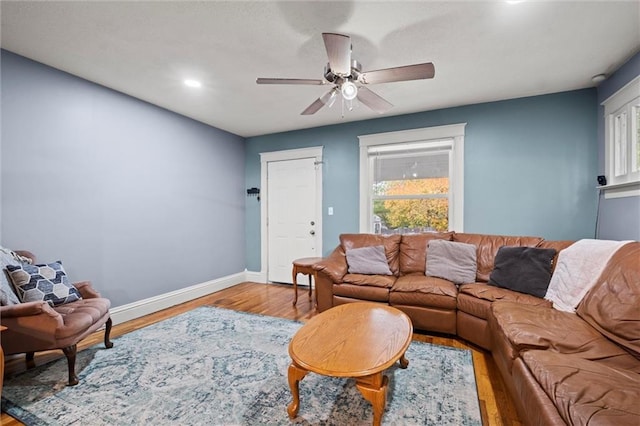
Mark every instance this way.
x=86 y=290
x=333 y=266
x=31 y=327
x=28 y=309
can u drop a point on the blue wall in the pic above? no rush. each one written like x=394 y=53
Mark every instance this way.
x=530 y=166
x=619 y=217
x=138 y=199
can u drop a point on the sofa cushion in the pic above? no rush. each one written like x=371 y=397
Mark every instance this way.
x=80 y=315
x=523 y=269
x=526 y=327
x=452 y=261
x=420 y=290
x=425 y=284
x=475 y=299
x=358 y=292
x=491 y=293
x=586 y=392
x=385 y=281
x=487 y=247
x=391 y=245
x=413 y=250
x=46 y=282
x=612 y=306
x=368 y=260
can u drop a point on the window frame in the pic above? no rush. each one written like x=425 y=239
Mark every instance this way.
x=430 y=137
x=620 y=160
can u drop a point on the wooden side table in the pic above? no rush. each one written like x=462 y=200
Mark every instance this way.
x=303 y=266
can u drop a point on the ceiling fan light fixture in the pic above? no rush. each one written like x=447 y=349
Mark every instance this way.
x=349 y=90
x=329 y=98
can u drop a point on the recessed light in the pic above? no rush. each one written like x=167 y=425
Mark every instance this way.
x=192 y=83
x=514 y=1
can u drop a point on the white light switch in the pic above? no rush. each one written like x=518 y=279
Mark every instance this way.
x=330 y=211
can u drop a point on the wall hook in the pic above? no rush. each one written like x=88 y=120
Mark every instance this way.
x=253 y=192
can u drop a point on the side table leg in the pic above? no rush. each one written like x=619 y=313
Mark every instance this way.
x=310 y=283
x=374 y=389
x=295 y=375
x=295 y=285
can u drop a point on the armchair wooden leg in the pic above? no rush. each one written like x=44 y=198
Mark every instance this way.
x=70 y=353
x=107 y=331
x=29 y=358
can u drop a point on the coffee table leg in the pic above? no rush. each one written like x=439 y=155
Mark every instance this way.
x=295 y=375
x=404 y=362
x=374 y=390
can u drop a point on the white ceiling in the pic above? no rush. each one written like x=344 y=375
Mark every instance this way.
x=482 y=51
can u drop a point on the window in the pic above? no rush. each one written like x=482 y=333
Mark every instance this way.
x=622 y=135
x=412 y=181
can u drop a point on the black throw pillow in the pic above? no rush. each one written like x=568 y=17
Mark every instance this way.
x=523 y=269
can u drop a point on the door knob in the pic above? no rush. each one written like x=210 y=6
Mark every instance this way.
x=312 y=232
x=312 y=223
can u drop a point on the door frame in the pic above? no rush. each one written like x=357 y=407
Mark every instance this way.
x=289 y=154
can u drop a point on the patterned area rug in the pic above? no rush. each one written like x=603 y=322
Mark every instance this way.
x=216 y=366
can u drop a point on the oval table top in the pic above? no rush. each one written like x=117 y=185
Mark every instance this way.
x=352 y=340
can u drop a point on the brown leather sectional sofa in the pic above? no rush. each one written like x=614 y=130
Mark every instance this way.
x=560 y=368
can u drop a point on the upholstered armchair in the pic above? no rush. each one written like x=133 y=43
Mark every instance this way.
x=37 y=326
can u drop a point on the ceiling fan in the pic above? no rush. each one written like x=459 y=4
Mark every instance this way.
x=348 y=80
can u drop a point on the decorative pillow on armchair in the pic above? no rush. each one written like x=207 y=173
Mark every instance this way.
x=523 y=269
x=9 y=257
x=368 y=260
x=46 y=282
x=452 y=261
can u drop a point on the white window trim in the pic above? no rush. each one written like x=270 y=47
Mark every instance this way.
x=436 y=134
x=628 y=184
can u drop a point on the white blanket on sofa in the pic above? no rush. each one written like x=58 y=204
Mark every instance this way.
x=578 y=269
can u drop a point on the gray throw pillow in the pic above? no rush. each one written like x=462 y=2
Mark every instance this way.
x=452 y=261
x=368 y=260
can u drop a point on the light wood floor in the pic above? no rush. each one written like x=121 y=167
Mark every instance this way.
x=276 y=300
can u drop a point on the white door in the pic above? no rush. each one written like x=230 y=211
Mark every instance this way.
x=291 y=215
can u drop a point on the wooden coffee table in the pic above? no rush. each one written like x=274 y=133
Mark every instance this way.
x=358 y=340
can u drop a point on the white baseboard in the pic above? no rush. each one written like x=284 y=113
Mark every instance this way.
x=140 y=308
x=258 y=277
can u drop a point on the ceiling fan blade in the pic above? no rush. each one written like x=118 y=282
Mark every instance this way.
x=326 y=99
x=373 y=101
x=290 y=81
x=339 y=52
x=313 y=108
x=406 y=73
